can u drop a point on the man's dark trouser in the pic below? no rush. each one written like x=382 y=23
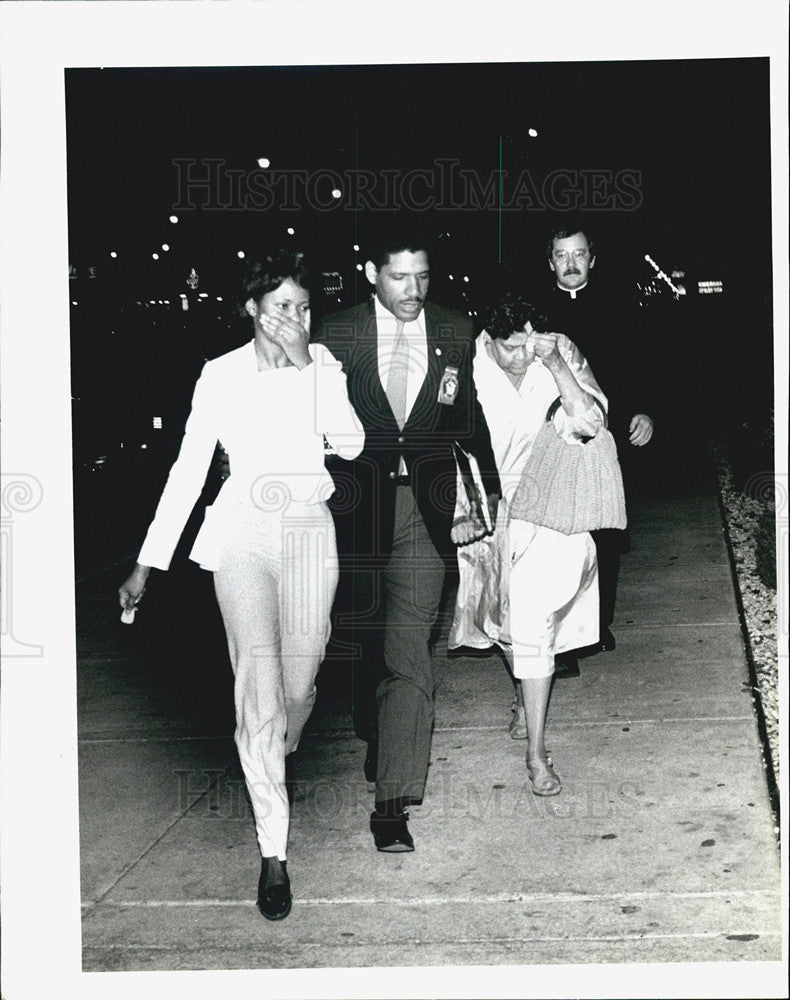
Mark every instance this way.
x=413 y=581
x=609 y=544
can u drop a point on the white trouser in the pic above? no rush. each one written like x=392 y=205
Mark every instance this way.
x=275 y=584
x=553 y=596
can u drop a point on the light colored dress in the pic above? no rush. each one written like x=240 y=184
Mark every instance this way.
x=553 y=577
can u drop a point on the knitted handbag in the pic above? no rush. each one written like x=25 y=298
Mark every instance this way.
x=571 y=487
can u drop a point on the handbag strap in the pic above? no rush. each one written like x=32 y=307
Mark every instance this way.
x=558 y=403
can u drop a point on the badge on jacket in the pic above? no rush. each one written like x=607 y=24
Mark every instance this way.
x=448 y=387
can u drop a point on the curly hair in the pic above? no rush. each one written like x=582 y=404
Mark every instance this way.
x=268 y=273
x=510 y=313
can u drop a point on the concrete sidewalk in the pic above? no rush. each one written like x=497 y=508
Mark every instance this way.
x=661 y=847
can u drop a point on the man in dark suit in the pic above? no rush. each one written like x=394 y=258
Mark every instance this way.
x=409 y=378
x=600 y=323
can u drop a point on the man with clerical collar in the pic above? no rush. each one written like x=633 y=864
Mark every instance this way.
x=602 y=326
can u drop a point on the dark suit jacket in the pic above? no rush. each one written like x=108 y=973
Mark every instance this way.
x=603 y=326
x=364 y=503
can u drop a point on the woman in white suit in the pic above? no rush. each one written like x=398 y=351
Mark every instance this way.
x=269 y=537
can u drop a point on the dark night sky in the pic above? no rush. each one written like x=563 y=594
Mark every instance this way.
x=698 y=131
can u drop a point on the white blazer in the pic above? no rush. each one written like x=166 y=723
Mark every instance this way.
x=272 y=423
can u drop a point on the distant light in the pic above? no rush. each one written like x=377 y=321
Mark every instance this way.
x=74 y=303
x=155 y=256
x=113 y=254
x=466 y=277
x=165 y=247
x=143 y=445
x=359 y=268
x=152 y=302
x=202 y=295
x=174 y=219
x=241 y=255
x=263 y=162
x=356 y=248
x=533 y=133
x=219 y=298
x=157 y=423
x=337 y=193
x=451 y=277
x=290 y=230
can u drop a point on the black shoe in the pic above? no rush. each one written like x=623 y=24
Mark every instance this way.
x=566 y=665
x=274 y=901
x=390 y=833
x=371 y=761
x=607 y=642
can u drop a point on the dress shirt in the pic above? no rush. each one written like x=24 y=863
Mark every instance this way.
x=414 y=331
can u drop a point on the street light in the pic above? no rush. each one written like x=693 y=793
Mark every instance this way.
x=263 y=162
x=174 y=219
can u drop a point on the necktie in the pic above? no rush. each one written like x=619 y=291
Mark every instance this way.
x=398 y=375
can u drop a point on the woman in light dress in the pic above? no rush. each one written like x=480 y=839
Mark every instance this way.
x=518 y=373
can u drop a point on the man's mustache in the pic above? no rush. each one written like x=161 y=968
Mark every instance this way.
x=571 y=270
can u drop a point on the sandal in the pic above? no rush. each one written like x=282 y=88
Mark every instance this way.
x=543 y=777
x=518 y=724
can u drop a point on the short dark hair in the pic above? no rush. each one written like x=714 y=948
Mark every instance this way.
x=565 y=229
x=395 y=237
x=510 y=313
x=267 y=274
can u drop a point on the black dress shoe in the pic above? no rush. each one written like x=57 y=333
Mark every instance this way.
x=274 y=901
x=566 y=665
x=607 y=642
x=390 y=833
x=371 y=761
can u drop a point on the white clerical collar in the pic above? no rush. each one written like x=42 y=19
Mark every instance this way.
x=571 y=291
